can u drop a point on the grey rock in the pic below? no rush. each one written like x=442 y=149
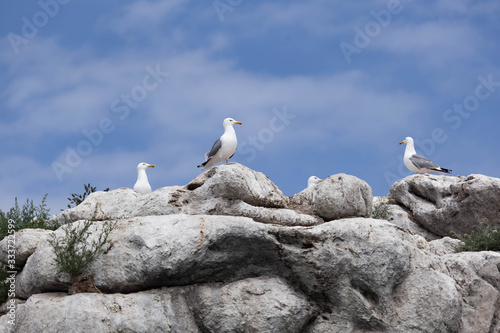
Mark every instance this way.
x=402 y=217
x=339 y=196
x=229 y=189
x=157 y=251
x=428 y=294
x=373 y=267
x=262 y=304
x=23 y=243
x=233 y=189
x=443 y=204
x=445 y=245
x=123 y=203
x=230 y=253
x=477 y=280
x=353 y=274
x=282 y=216
x=159 y=310
x=236 y=181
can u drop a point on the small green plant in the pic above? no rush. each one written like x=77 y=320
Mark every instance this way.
x=381 y=211
x=483 y=237
x=4 y=285
x=27 y=216
x=77 y=199
x=74 y=252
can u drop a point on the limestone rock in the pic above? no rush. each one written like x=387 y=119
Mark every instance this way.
x=251 y=305
x=24 y=244
x=123 y=203
x=230 y=253
x=444 y=204
x=157 y=251
x=353 y=275
x=477 y=280
x=160 y=310
x=229 y=189
x=402 y=218
x=339 y=196
x=237 y=182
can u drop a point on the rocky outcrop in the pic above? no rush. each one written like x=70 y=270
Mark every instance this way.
x=235 y=190
x=444 y=205
x=401 y=217
x=249 y=305
x=242 y=257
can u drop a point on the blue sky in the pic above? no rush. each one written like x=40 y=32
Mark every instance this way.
x=90 y=89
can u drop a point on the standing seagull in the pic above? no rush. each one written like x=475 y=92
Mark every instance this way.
x=224 y=148
x=417 y=163
x=142 y=185
x=312 y=181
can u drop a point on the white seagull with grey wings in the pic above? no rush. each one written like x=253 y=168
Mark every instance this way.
x=417 y=163
x=224 y=148
x=142 y=184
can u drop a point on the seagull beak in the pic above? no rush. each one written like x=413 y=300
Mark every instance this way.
x=238 y=122
x=321 y=180
x=401 y=142
x=151 y=166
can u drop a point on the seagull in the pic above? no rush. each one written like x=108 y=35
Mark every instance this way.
x=142 y=185
x=417 y=163
x=312 y=181
x=224 y=148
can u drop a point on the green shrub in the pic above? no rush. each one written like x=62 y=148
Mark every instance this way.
x=381 y=211
x=4 y=286
x=77 y=199
x=483 y=237
x=73 y=250
x=29 y=216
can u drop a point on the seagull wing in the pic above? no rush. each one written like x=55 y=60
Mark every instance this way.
x=423 y=163
x=215 y=148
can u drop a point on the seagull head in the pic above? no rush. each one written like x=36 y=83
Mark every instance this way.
x=407 y=140
x=144 y=166
x=230 y=122
x=313 y=180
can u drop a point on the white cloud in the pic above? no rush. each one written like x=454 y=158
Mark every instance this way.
x=142 y=15
x=433 y=43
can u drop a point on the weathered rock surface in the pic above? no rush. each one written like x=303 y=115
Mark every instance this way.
x=22 y=245
x=477 y=280
x=339 y=196
x=242 y=257
x=251 y=305
x=443 y=204
x=352 y=274
x=262 y=304
x=235 y=190
x=400 y=216
x=158 y=310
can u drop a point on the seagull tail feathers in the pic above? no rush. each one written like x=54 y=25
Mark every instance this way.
x=204 y=164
